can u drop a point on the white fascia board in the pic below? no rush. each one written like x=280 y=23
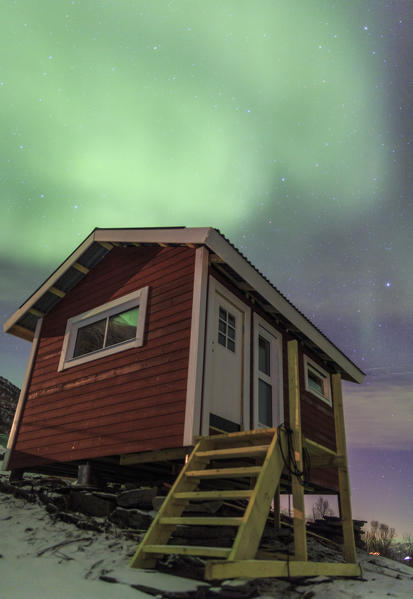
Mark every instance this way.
x=48 y=283
x=225 y=251
x=191 y=235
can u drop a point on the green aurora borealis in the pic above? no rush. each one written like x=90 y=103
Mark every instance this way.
x=195 y=113
x=286 y=124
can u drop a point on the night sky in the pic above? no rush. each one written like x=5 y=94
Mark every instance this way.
x=287 y=125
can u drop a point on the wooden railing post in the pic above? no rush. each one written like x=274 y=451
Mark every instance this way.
x=300 y=538
x=343 y=478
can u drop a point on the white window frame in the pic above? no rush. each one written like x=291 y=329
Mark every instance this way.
x=264 y=329
x=310 y=365
x=121 y=304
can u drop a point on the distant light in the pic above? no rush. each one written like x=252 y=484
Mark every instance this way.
x=388 y=284
x=408 y=557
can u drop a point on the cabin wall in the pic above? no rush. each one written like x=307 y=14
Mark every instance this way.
x=317 y=421
x=126 y=402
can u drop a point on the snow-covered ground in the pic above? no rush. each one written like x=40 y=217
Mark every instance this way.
x=43 y=559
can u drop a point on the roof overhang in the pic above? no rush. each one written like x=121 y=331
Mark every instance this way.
x=100 y=242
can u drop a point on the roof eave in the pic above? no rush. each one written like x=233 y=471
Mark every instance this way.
x=28 y=304
x=177 y=235
x=221 y=247
x=231 y=256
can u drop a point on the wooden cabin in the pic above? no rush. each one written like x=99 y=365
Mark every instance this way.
x=144 y=339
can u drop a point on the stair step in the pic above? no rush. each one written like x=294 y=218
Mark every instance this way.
x=201 y=521
x=235 y=452
x=250 y=435
x=225 y=472
x=188 y=550
x=208 y=495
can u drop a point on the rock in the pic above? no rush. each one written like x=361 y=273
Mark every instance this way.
x=204 y=532
x=140 y=498
x=18 y=491
x=157 y=502
x=82 y=522
x=61 y=502
x=93 y=504
x=204 y=507
x=237 y=583
x=9 y=395
x=110 y=579
x=132 y=518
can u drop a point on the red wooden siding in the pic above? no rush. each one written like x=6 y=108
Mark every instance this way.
x=126 y=402
x=317 y=419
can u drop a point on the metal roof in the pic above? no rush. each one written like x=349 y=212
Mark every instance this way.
x=232 y=263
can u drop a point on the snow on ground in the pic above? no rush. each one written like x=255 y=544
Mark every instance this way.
x=31 y=567
x=43 y=559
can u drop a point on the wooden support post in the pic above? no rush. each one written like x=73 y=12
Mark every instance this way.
x=16 y=474
x=300 y=539
x=343 y=478
x=277 y=521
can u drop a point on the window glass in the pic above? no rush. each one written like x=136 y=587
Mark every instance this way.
x=315 y=382
x=221 y=339
x=122 y=327
x=90 y=338
x=226 y=329
x=264 y=351
x=264 y=403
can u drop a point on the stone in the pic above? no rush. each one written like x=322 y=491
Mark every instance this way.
x=132 y=518
x=140 y=498
x=204 y=507
x=157 y=502
x=79 y=520
x=61 y=502
x=91 y=503
x=204 y=532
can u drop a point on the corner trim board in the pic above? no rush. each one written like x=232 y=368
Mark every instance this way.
x=23 y=394
x=196 y=347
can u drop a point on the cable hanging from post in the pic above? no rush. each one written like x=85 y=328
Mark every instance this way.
x=289 y=460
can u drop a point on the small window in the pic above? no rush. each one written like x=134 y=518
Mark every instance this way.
x=226 y=329
x=110 y=328
x=317 y=380
x=107 y=332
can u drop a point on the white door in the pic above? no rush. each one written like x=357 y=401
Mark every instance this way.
x=226 y=397
x=268 y=404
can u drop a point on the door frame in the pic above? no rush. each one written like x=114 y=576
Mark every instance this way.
x=217 y=288
x=277 y=388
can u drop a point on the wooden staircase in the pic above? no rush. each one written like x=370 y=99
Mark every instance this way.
x=246 y=467
x=211 y=461
x=211 y=474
